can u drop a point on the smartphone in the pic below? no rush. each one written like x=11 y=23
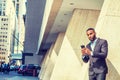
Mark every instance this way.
x=82 y=46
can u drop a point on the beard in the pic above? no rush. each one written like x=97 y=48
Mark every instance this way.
x=92 y=38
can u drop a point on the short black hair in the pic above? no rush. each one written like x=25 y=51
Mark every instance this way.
x=90 y=29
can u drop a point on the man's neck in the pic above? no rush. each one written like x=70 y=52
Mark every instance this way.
x=94 y=40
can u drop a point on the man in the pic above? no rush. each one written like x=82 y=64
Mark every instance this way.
x=97 y=51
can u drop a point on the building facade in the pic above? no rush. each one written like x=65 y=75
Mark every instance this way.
x=12 y=28
x=7 y=24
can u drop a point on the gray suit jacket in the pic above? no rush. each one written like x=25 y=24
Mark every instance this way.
x=98 y=59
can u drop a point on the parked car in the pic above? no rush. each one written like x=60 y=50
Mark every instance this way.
x=38 y=68
x=12 y=67
x=31 y=69
x=21 y=69
x=16 y=67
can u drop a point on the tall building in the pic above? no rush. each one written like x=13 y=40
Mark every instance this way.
x=4 y=38
x=20 y=27
x=2 y=7
x=7 y=24
x=34 y=16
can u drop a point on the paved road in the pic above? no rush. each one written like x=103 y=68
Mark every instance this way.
x=14 y=76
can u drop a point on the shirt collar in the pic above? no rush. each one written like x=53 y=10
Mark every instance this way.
x=94 y=41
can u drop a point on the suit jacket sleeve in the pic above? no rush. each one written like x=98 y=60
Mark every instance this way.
x=101 y=49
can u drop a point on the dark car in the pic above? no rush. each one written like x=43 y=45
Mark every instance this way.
x=31 y=70
x=21 y=69
x=38 y=68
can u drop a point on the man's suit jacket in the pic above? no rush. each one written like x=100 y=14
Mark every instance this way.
x=98 y=59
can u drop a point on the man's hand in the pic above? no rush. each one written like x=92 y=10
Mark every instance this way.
x=85 y=51
x=88 y=51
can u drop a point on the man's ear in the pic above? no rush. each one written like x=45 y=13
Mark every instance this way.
x=95 y=33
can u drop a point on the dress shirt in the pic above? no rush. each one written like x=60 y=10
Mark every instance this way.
x=92 y=45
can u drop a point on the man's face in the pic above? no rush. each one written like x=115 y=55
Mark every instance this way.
x=91 y=35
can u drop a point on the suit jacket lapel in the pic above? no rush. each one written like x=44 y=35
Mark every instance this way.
x=89 y=47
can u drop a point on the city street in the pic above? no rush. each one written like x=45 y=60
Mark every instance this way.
x=14 y=76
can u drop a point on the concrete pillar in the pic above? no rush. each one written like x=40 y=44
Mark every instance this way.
x=68 y=64
x=50 y=59
x=45 y=63
x=108 y=27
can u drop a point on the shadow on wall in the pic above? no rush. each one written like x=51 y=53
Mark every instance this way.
x=112 y=72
